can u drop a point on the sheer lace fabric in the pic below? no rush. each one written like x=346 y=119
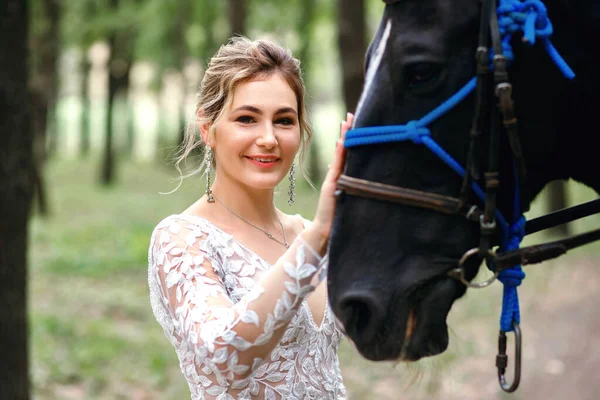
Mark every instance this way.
x=206 y=292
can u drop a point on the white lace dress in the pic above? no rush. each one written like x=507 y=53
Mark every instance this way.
x=204 y=286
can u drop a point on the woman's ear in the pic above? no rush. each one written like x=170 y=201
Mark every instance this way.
x=204 y=132
x=204 y=128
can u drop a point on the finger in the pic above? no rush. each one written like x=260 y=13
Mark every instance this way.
x=346 y=125
x=338 y=160
x=349 y=118
x=333 y=167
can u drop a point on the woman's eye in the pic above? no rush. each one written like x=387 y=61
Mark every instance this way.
x=245 y=119
x=285 y=121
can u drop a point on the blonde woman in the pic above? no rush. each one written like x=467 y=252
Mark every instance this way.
x=236 y=283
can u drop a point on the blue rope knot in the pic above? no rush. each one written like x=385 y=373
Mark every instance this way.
x=537 y=23
x=531 y=18
x=416 y=132
x=516 y=232
x=511 y=278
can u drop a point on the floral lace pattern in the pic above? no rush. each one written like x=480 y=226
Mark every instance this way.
x=208 y=293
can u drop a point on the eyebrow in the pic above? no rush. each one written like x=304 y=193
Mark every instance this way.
x=258 y=111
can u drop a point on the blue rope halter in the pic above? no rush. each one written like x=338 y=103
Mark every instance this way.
x=529 y=17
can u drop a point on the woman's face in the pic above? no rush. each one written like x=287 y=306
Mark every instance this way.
x=257 y=139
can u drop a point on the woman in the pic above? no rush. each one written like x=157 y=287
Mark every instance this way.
x=234 y=282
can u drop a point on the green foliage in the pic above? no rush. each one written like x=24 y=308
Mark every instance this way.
x=39 y=25
x=159 y=24
x=86 y=21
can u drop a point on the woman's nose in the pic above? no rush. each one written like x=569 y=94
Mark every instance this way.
x=267 y=137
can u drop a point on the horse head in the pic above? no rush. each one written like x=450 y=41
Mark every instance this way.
x=388 y=276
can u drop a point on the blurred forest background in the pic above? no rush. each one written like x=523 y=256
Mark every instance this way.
x=94 y=97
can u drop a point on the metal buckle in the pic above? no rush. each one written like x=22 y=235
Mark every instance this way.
x=459 y=272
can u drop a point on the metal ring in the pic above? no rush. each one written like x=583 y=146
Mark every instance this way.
x=459 y=272
x=486 y=225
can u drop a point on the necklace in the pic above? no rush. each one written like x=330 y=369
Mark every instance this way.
x=284 y=243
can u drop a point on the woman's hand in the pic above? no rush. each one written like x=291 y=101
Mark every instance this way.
x=326 y=206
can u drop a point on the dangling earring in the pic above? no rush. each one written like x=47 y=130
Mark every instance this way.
x=209 y=196
x=292 y=184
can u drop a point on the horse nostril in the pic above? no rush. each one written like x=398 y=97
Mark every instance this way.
x=361 y=315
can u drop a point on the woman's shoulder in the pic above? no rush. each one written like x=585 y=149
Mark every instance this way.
x=185 y=227
x=183 y=219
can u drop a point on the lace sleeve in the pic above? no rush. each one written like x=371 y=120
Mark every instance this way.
x=229 y=340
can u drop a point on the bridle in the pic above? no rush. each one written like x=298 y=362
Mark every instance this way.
x=505 y=263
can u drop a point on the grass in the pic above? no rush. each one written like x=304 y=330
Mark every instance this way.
x=93 y=335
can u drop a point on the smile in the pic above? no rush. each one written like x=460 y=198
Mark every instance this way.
x=263 y=162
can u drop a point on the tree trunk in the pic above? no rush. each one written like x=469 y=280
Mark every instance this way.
x=237 y=16
x=16 y=158
x=184 y=12
x=352 y=46
x=84 y=148
x=107 y=176
x=207 y=12
x=118 y=84
x=121 y=87
x=119 y=66
x=89 y=11
x=557 y=200
x=44 y=88
x=305 y=31
x=49 y=49
x=39 y=113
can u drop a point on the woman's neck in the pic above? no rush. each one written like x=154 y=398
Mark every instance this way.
x=255 y=205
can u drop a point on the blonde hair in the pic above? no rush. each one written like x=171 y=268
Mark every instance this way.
x=242 y=60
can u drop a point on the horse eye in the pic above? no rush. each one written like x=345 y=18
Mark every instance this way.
x=422 y=76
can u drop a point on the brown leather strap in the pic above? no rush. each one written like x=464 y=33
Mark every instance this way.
x=408 y=197
x=544 y=251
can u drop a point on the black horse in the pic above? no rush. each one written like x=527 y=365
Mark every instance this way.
x=388 y=276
